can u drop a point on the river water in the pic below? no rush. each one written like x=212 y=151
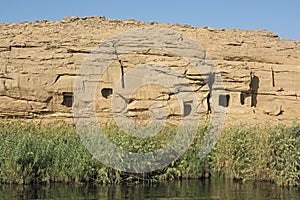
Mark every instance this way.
x=187 y=189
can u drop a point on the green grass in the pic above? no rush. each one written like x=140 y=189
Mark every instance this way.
x=45 y=154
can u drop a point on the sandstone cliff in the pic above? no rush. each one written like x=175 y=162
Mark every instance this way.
x=39 y=62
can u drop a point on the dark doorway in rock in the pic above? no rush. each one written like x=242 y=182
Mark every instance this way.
x=67 y=99
x=187 y=108
x=106 y=92
x=254 y=85
x=224 y=100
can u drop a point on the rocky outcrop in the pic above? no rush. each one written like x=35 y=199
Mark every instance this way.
x=39 y=62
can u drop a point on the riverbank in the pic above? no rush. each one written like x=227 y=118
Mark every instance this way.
x=47 y=154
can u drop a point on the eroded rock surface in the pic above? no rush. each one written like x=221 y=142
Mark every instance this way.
x=39 y=62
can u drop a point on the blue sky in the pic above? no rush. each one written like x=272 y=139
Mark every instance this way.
x=279 y=16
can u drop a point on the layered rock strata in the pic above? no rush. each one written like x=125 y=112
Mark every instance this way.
x=40 y=61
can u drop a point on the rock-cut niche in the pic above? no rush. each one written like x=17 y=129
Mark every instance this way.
x=106 y=92
x=67 y=99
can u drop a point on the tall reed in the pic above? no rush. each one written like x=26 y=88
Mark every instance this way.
x=260 y=153
x=54 y=153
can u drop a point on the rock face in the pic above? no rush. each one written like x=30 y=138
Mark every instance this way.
x=40 y=61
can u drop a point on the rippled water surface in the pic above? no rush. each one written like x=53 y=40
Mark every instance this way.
x=187 y=189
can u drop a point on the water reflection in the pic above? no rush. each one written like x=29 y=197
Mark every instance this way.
x=192 y=189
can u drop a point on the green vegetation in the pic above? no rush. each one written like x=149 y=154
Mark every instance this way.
x=264 y=154
x=44 y=154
